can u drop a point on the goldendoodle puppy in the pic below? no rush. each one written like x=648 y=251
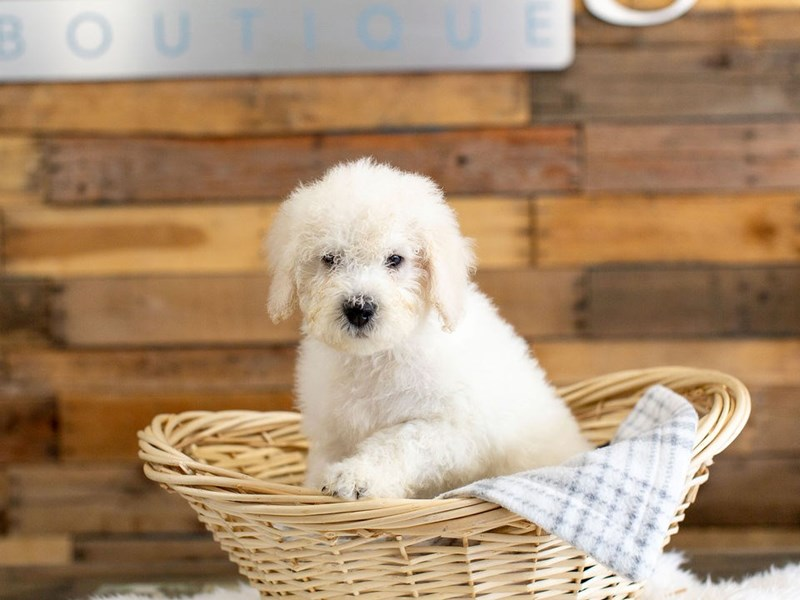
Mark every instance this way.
x=409 y=381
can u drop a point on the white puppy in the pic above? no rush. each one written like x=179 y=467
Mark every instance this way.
x=409 y=381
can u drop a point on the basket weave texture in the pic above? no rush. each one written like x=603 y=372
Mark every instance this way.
x=242 y=472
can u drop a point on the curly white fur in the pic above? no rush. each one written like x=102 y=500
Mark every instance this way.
x=428 y=389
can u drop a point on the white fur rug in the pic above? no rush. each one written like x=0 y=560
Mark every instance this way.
x=669 y=582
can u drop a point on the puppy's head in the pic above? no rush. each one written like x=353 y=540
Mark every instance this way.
x=367 y=252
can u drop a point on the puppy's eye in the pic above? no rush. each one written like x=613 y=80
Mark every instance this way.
x=394 y=261
x=331 y=260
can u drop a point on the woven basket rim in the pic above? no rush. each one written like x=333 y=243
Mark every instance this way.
x=173 y=467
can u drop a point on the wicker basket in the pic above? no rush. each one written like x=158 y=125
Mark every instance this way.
x=241 y=472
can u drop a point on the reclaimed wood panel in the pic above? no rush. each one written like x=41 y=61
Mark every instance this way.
x=730 y=228
x=115 y=576
x=538 y=303
x=20 y=171
x=693 y=157
x=5 y=499
x=169 y=311
x=35 y=550
x=136 y=240
x=168 y=548
x=748 y=492
x=148 y=371
x=752 y=538
x=686 y=301
x=27 y=424
x=155 y=170
x=501 y=228
x=737 y=4
x=209 y=238
x=692 y=80
x=772 y=427
x=765 y=362
x=735 y=564
x=728 y=28
x=708 y=5
x=270 y=105
x=761 y=302
x=96 y=426
x=24 y=310
x=664 y=302
x=109 y=498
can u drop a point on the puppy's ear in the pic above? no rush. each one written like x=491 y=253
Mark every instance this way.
x=449 y=260
x=281 y=250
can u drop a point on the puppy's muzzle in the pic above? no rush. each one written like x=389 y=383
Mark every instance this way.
x=359 y=312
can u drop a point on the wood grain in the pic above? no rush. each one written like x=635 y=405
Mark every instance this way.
x=754 y=361
x=96 y=426
x=169 y=311
x=772 y=427
x=130 y=240
x=693 y=157
x=540 y=303
x=500 y=227
x=761 y=302
x=20 y=174
x=191 y=570
x=27 y=424
x=749 y=492
x=707 y=81
x=148 y=371
x=25 y=310
x=722 y=28
x=711 y=539
x=724 y=228
x=167 y=549
x=708 y=5
x=43 y=550
x=92 y=498
x=271 y=105
x=210 y=238
x=522 y=160
x=674 y=301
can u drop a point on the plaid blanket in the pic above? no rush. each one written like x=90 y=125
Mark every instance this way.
x=614 y=503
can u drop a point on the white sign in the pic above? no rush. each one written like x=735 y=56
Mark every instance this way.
x=47 y=40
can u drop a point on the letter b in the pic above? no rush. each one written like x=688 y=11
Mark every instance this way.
x=12 y=44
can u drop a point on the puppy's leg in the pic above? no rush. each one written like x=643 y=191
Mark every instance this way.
x=413 y=459
x=316 y=461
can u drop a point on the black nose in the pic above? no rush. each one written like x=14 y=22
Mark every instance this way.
x=359 y=312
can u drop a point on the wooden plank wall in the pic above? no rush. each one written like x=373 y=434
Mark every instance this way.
x=641 y=208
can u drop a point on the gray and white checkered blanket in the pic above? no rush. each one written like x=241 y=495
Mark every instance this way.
x=614 y=503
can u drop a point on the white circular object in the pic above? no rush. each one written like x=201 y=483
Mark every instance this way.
x=615 y=13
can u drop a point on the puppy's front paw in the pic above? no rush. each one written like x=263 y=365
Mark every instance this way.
x=353 y=479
